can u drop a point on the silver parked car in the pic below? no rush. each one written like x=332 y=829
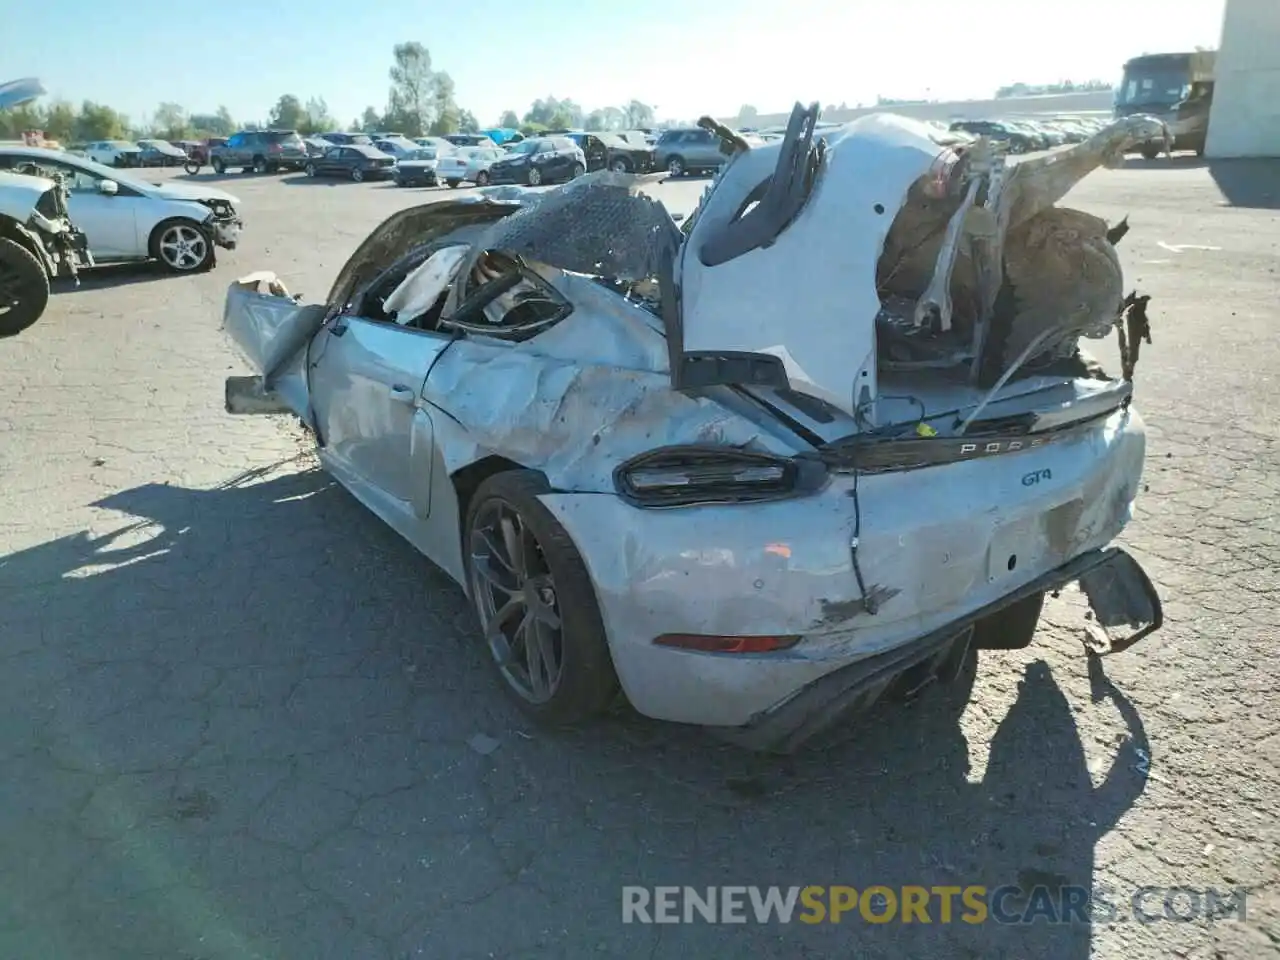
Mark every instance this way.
x=691 y=150
x=468 y=165
x=720 y=468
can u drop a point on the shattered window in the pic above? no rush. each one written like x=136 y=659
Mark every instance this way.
x=598 y=225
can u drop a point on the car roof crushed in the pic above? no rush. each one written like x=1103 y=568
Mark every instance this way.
x=599 y=224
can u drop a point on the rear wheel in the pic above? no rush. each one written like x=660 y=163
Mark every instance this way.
x=1150 y=152
x=620 y=165
x=535 y=176
x=24 y=288
x=357 y=174
x=219 y=166
x=536 y=603
x=192 y=167
x=311 y=170
x=577 y=171
x=453 y=184
x=259 y=164
x=482 y=179
x=675 y=167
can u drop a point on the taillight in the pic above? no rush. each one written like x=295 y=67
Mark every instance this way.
x=700 y=474
x=274 y=148
x=712 y=644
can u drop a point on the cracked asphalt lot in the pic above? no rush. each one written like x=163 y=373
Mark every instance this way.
x=239 y=718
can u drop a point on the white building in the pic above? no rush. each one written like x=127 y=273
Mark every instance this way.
x=1245 y=118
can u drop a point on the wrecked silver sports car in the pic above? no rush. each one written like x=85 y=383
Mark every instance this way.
x=817 y=445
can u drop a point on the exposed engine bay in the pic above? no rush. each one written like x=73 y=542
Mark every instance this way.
x=65 y=246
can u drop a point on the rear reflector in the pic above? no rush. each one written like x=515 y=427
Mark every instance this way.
x=709 y=644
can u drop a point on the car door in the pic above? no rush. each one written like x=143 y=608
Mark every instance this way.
x=596 y=152
x=109 y=222
x=561 y=153
x=328 y=164
x=366 y=387
x=704 y=149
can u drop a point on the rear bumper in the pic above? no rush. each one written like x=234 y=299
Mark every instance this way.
x=935 y=547
x=1118 y=590
x=427 y=178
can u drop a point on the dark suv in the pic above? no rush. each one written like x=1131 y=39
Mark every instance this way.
x=262 y=151
x=540 y=160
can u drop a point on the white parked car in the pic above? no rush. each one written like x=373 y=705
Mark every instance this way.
x=468 y=165
x=126 y=218
x=721 y=469
x=114 y=153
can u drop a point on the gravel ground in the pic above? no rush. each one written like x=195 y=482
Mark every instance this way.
x=239 y=718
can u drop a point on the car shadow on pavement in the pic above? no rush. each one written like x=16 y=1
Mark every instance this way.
x=1247 y=182
x=302 y=180
x=116 y=275
x=212 y=177
x=251 y=716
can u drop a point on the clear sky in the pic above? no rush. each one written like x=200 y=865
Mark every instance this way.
x=686 y=57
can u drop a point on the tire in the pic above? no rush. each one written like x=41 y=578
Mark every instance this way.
x=577 y=171
x=453 y=184
x=357 y=175
x=1150 y=153
x=219 y=167
x=259 y=165
x=620 y=165
x=482 y=178
x=676 y=167
x=584 y=683
x=181 y=246
x=1013 y=628
x=191 y=167
x=534 y=177
x=24 y=283
x=310 y=170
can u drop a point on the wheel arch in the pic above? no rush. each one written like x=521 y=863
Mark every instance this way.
x=466 y=481
x=11 y=229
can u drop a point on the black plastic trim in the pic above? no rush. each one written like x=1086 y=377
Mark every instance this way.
x=699 y=369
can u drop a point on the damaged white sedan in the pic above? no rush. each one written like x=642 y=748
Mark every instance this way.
x=818 y=447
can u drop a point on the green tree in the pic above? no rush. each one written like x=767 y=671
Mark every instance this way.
x=509 y=119
x=26 y=117
x=553 y=113
x=370 y=120
x=637 y=115
x=748 y=114
x=448 y=118
x=99 y=122
x=171 y=122
x=413 y=102
x=60 y=121
x=467 y=122
x=317 y=118
x=218 y=124
x=288 y=113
